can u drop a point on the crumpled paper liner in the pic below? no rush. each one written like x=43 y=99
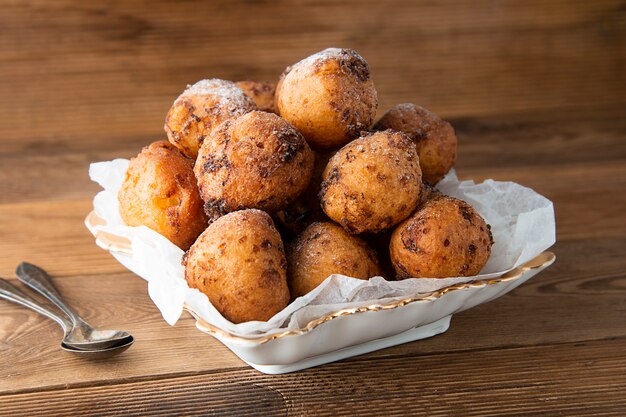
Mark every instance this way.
x=522 y=223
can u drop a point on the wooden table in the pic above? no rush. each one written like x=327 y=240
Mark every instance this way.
x=542 y=106
x=557 y=343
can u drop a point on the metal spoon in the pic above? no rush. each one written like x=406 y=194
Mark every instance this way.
x=82 y=335
x=11 y=293
x=100 y=353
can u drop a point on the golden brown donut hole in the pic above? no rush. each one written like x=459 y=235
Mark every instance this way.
x=262 y=92
x=323 y=249
x=329 y=97
x=445 y=237
x=201 y=108
x=257 y=160
x=159 y=191
x=373 y=183
x=239 y=263
x=435 y=138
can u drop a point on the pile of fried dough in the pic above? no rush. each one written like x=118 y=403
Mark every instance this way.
x=272 y=188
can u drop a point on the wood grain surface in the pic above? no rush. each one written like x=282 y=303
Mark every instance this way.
x=422 y=385
x=535 y=90
x=574 y=311
x=78 y=73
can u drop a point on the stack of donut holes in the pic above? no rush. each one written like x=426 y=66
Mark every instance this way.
x=270 y=188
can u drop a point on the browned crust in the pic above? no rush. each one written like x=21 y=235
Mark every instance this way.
x=160 y=192
x=255 y=161
x=373 y=183
x=445 y=237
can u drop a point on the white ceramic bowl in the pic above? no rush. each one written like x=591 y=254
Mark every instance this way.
x=348 y=332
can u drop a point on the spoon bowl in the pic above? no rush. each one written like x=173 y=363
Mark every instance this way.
x=105 y=352
x=83 y=336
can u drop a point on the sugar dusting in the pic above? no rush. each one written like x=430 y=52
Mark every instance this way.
x=322 y=56
x=522 y=222
x=226 y=91
x=325 y=55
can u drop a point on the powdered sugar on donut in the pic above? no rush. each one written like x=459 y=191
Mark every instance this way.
x=318 y=58
x=226 y=91
x=322 y=56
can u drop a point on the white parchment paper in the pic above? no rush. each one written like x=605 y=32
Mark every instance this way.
x=522 y=223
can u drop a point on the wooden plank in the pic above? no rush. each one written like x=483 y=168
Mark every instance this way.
x=80 y=70
x=586 y=197
x=587 y=381
x=553 y=138
x=488 y=147
x=53 y=234
x=589 y=133
x=48 y=177
x=579 y=298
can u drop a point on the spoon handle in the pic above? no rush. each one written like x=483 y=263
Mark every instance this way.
x=39 y=280
x=11 y=293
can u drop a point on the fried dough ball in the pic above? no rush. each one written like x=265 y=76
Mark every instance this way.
x=329 y=97
x=435 y=138
x=160 y=192
x=445 y=237
x=373 y=183
x=324 y=249
x=201 y=108
x=262 y=92
x=239 y=263
x=257 y=160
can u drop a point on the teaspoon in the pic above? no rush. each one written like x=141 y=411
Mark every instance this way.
x=81 y=335
x=11 y=293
